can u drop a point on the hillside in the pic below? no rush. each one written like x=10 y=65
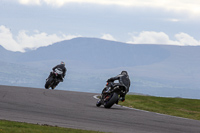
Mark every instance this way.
x=99 y=53
x=160 y=70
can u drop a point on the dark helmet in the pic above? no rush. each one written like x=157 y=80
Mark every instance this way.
x=62 y=63
x=124 y=73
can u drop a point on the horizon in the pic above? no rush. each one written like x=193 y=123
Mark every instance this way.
x=32 y=49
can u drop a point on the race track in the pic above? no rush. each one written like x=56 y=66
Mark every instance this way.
x=78 y=110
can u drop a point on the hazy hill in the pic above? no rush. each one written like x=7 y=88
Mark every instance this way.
x=8 y=56
x=99 y=53
x=161 y=70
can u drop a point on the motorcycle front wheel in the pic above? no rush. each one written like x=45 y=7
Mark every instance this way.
x=111 y=101
x=98 y=104
x=48 y=83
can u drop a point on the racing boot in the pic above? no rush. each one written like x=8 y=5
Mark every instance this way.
x=122 y=99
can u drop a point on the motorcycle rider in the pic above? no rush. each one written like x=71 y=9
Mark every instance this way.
x=62 y=67
x=124 y=81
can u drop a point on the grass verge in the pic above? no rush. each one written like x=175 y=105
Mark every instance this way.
x=187 y=108
x=19 y=127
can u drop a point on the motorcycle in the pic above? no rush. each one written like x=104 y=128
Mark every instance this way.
x=54 y=79
x=110 y=95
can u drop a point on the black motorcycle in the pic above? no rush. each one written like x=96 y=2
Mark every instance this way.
x=54 y=79
x=110 y=94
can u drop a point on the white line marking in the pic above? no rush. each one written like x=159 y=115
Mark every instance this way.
x=96 y=96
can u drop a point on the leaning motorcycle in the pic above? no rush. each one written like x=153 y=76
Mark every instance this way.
x=110 y=95
x=54 y=79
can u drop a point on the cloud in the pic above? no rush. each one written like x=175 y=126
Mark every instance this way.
x=191 y=6
x=108 y=37
x=186 y=40
x=152 y=37
x=173 y=20
x=24 y=41
x=30 y=2
x=7 y=41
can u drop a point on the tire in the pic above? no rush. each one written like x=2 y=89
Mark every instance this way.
x=112 y=101
x=48 y=83
x=98 y=104
x=53 y=87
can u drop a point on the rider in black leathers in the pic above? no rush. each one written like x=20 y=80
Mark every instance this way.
x=62 y=67
x=124 y=81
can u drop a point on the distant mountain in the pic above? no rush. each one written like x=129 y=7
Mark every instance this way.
x=8 y=56
x=160 y=70
x=98 y=53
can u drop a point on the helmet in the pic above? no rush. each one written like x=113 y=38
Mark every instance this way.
x=62 y=63
x=124 y=73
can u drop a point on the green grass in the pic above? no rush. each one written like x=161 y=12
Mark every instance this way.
x=19 y=127
x=187 y=108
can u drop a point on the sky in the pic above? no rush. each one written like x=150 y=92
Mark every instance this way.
x=30 y=24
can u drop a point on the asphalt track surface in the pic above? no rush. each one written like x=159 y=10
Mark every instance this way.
x=78 y=110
